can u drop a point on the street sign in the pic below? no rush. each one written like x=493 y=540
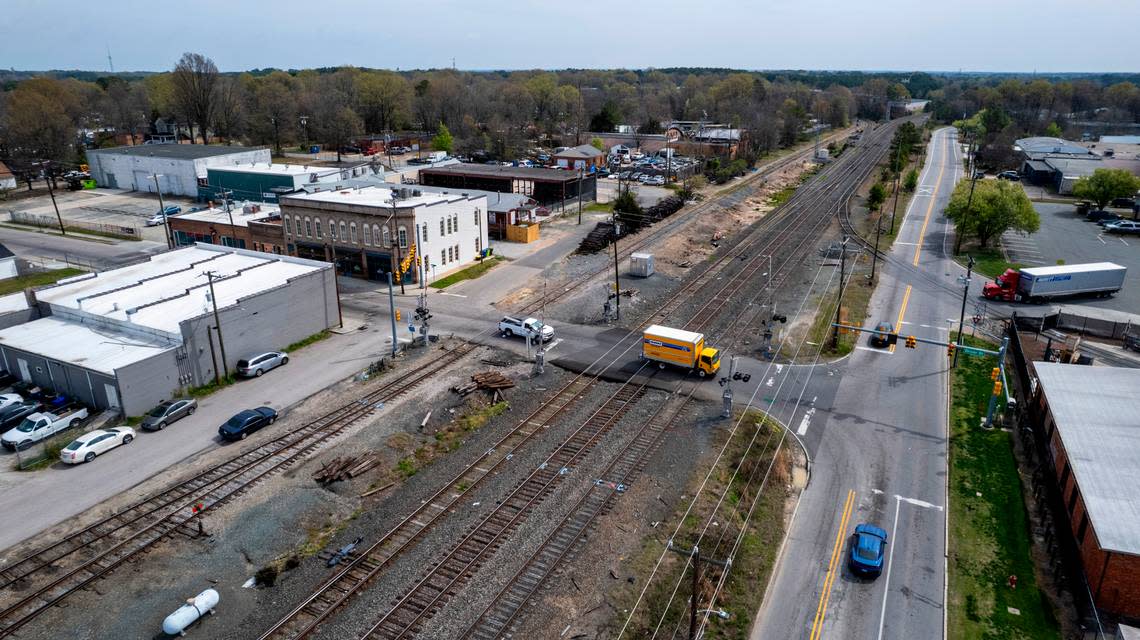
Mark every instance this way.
x=971 y=351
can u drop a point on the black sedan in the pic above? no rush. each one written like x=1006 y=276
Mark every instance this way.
x=246 y=422
x=14 y=414
x=880 y=340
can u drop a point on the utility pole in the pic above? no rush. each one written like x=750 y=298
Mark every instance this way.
x=875 y=256
x=162 y=210
x=392 y=313
x=839 y=302
x=46 y=164
x=969 y=201
x=895 y=206
x=210 y=275
x=695 y=555
x=580 y=171
x=962 y=316
x=617 y=280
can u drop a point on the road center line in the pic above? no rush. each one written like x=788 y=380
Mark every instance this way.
x=929 y=210
x=832 y=568
x=902 y=313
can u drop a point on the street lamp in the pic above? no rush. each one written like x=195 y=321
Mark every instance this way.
x=305 y=124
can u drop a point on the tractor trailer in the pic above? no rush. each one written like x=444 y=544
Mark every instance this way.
x=680 y=348
x=1040 y=284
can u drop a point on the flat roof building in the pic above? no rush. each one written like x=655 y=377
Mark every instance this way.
x=549 y=187
x=132 y=337
x=180 y=168
x=240 y=225
x=266 y=182
x=1089 y=416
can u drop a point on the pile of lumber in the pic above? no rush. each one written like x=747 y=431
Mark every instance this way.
x=345 y=467
x=488 y=380
x=598 y=239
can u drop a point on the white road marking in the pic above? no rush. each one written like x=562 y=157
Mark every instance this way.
x=779 y=369
x=554 y=344
x=890 y=565
x=919 y=503
x=874 y=350
x=453 y=295
x=911 y=244
x=805 y=421
x=1098 y=237
x=1124 y=243
x=770 y=382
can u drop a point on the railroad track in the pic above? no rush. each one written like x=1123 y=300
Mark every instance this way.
x=48 y=576
x=420 y=602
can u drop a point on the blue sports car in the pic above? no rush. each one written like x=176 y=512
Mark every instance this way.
x=867 y=547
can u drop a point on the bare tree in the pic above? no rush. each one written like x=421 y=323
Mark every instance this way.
x=195 y=80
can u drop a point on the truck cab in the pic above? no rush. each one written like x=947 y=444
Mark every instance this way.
x=709 y=362
x=1004 y=287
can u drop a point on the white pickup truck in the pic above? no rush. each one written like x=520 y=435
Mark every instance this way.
x=530 y=327
x=39 y=426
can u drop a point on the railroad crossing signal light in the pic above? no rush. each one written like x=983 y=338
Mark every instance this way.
x=950 y=350
x=911 y=343
x=994 y=373
x=397 y=315
x=997 y=387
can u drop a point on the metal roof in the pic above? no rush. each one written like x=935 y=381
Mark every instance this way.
x=506 y=173
x=82 y=345
x=174 y=151
x=1062 y=269
x=1075 y=167
x=1095 y=410
x=580 y=151
x=1042 y=144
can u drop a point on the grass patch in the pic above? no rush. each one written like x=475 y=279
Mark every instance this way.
x=470 y=273
x=300 y=344
x=989 y=529
x=856 y=298
x=77 y=230
x=606 y=207
x=782 y=196
x=752 y=565
x=989 y=262
x=32 y=280
x=210 y=387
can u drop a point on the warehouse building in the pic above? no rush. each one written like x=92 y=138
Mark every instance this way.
x=1089 y=419
x=548 y=187
x=130 y=338
x=366 y=232
x=180 y=168
x=266 y=182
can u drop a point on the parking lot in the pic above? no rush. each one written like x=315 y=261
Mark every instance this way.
x=1066 y=236
x=111 y=207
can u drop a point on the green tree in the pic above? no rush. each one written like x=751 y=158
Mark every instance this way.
x=628 y=211
x=443 y=140
x=1104 y=185
x=996 y=207
x=876 y=197
x=1054 y=130
x=605 y=120
x=910 y=182
x=598 y=144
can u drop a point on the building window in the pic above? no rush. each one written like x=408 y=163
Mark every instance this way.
x=441 y=233
x=456 y=252
x=376 y=234
x=288 y=226
x=352 y=230
x=317 y=224
x=387 y=237
x=402 y=237
x=477 y=247
x=308 y=228
x=455 y=222
x=1083 y=529
x=450 y=253
x=442 y=254
x=1065 y=475
x=1073 y=499
x=343 y=231
x=423 y=232
x=476 y=217
x=332 y=229
x=367 y=235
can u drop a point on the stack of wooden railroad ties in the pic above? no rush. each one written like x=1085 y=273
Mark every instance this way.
x=345 y=467
x=489 y=380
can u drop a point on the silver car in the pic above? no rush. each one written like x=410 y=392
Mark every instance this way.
x=168 y=412
x=255 y=365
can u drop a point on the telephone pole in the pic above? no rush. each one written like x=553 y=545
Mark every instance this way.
x=617 y=280
x=695 y=555
x=210 y=275
x=969 y=200
x=162 y=211
x=962 y=316
x=875 y=255
x=839 y=302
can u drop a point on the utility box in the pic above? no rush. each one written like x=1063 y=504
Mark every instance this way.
x=641 y=264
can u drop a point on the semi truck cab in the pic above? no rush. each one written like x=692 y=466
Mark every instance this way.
x=1003 y=287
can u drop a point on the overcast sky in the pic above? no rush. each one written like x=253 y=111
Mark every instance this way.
x=972 y=35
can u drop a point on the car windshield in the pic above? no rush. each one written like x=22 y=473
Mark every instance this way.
x=73 y=446
x=159 y=411
x=27 y=425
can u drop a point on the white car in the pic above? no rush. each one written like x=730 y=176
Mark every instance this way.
x=156 y=220
x=9 y=399
x=87 y=446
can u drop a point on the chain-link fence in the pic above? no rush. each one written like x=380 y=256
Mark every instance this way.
x=51 y=222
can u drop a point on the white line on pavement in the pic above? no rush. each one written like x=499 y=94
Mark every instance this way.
x=1125 y=243
x=805 y=421
x=920 y=503
x=873 y=350
x=1098 y=237
x=553 y=344
x=890 y=565
x=454 y=295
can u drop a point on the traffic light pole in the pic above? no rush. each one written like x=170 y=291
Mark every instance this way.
x=392 y=313
x=997 y=383
x=962 y=316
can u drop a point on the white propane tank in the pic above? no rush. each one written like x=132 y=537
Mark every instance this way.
x=196 y=607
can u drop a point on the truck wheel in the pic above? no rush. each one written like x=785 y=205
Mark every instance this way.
x=510 y=334
x=660 y=365
x=89 y=457
x=701 y=372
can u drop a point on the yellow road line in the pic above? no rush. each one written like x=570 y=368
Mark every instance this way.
x=833 y=567
x=902 y=314
x=929 y=210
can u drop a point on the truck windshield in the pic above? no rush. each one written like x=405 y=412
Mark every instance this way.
x=27 y=426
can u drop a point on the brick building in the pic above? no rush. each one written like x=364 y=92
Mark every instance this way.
x=250 y=225
x=1089 y=418
x=548 y=187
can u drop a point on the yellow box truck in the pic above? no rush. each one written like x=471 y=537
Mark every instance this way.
x=678 y=347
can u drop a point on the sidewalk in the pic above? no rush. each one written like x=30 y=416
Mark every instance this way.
x=34 y=501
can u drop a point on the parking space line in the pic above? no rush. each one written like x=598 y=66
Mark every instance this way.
x=1124 y=243
x=1099 y=237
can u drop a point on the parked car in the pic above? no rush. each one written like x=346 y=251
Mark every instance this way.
x=979 y=175
x=254 y=366
x=1012 y=176
x=94 y=443
x=1108 y=219
x=168 y=412
x=868 y=545
x=880 y=340
x=532 y=327
x=14 y=414
x=156 y=220
x=656 y=181
x=9 y=399
x=1126 y=203
x=246 y=422
x=1096 y=215
x=41 y=425
x=1123 y=226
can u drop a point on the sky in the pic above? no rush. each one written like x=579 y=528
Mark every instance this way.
x=924 y=35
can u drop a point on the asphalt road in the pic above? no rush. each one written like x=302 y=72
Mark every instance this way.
x=879 y=451
x=101 y=254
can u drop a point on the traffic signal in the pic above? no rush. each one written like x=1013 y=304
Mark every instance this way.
x=994 y=373
x=397 y=315
x=950 y=350
x=911 y=343
x=892 y=339
x=997 y=387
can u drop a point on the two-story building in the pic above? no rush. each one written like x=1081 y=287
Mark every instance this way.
x=369 y=230
x=249 y=225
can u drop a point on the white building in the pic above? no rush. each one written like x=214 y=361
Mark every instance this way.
x=8 y=267
x=181 y=167
x=366 y=231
